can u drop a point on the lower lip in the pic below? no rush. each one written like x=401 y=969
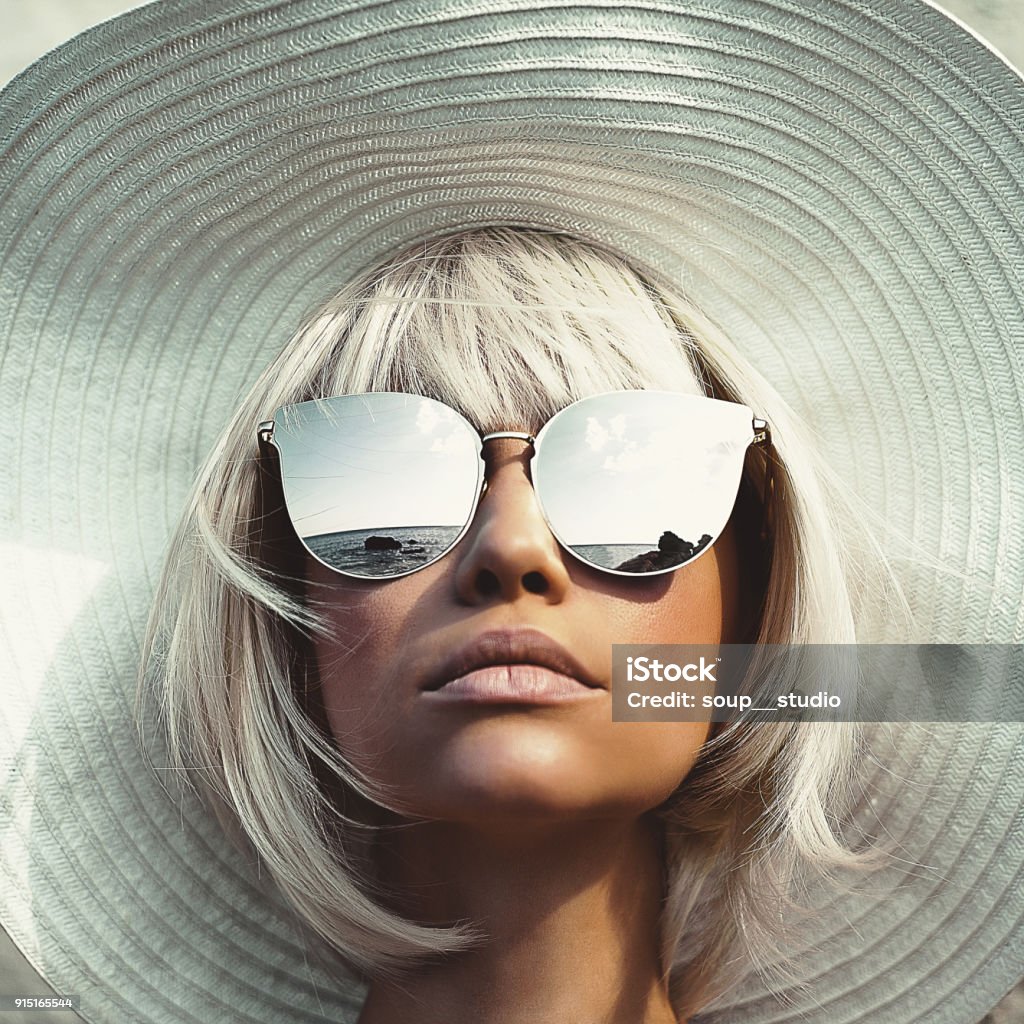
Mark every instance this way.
x=514 y=684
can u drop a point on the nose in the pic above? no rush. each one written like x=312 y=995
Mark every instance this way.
x=509 y=552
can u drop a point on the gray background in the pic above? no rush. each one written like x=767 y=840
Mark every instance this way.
x=32 y=27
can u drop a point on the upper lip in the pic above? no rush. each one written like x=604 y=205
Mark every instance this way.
x=509 y=647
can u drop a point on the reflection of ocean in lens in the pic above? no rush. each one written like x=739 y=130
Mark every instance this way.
x=348 y=551
x=610 y=556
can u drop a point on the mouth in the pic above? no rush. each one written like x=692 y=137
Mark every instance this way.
x=520 y=666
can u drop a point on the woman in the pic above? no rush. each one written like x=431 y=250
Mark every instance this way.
x=841 y=214
x=537 y=823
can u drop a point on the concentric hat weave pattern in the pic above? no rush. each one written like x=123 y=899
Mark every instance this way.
x=839 y=184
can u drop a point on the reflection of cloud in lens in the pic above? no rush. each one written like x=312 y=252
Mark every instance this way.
x=719 y=459
x=634 y=458
x=631 y=459
x=453 y=444
x=663 y=451
x=597 y=436
x=427 y=418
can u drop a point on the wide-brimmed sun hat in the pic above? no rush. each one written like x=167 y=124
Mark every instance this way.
x=839 y=184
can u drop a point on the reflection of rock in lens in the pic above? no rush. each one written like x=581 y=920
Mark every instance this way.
x=669 y=542
x=376 y=543
x=672 y=551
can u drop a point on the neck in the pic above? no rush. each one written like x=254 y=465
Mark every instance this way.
x=569 y=913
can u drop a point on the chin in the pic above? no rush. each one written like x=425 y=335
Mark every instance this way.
x=509 y=770
x=529 y=772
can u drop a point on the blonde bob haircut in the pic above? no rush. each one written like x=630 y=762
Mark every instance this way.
x=506 y=326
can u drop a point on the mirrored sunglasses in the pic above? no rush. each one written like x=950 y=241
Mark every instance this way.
x=633 y=483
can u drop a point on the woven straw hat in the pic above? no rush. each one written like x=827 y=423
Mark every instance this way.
x=839 y=184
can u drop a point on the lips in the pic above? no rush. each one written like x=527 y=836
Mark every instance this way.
x=519 y=664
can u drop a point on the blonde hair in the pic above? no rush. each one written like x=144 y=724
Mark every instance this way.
x=504 y=325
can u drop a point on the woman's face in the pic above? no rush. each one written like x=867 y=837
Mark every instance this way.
x=509 y=594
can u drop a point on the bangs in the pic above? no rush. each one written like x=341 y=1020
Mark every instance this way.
x=508 y=327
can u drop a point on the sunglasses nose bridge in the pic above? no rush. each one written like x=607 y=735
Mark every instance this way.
x=514 y=434
x=497 y=456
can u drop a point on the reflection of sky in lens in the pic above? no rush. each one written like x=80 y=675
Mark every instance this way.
x=625 y=468
x=382 y=460
x=618 y=469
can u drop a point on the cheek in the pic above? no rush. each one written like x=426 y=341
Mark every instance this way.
x=359 y=660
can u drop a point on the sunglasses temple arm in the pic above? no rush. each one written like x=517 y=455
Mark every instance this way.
x=763 y=437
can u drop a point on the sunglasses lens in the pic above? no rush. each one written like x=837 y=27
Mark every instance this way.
x=641 y=482
x=378 y=485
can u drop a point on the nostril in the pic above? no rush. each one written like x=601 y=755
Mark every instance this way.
x=487 y=583
x=535 y=583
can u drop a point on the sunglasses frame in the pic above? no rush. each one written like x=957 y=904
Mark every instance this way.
x=265 y=434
